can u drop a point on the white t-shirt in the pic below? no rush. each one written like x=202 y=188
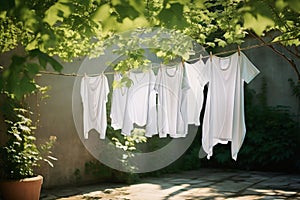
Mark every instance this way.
x=195 y=75
x=94 y=91
x=171 y=86
x=118 y=103
x=224 y=113
x=136 y=104
x=140 y=107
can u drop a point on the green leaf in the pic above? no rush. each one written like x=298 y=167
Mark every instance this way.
x=33 y=69
x=258 y=16
x=44 y=58
x=18 y=61
x=52 y=158
x=138 y=5
x=281 y=4
x=55 y=64
x=116 y=2
x=220 y=42
x=26 y=86
x=295 y=5
x=42 y=62
x=33 y=44
x=57 y=12
x=102 y=13
x=116 y=84
x=185 y=56
x=17 y=136
x=129 y=24
x=49 y=162
x=30 y=19
x=126 y=11
x=127 y=81
x=172 y=16
x=257 y=23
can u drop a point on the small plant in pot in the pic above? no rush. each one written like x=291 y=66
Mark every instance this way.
x=20 y=156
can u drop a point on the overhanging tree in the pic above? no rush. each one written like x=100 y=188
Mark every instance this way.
x=73 y=28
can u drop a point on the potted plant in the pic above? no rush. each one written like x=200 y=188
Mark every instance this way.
x=20 y=156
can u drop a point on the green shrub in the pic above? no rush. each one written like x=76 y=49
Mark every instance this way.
x=271 y=141
x=21 y=155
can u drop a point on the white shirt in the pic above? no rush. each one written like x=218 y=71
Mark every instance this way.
x=136 y=104
x=224 y=113
x=171 y=86
x=94 y=91
x=194 y=73
x=118 y=103
x=140 y=107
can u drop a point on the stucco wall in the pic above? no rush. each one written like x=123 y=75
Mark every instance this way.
x=276 y=71
x=56 y=119
x=56 y=113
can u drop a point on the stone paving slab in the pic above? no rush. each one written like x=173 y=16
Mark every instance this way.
x=208 y=184
x=232 y=186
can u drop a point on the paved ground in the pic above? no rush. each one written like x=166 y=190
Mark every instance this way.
x=201 y=184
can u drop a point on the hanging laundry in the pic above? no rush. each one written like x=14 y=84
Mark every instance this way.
x=194 y=73
x=94 y=91
x=118 y=103
x=224 y=119
x=137 y=105
x=171 y=86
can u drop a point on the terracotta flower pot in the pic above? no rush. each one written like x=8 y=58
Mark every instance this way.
x=25 y=189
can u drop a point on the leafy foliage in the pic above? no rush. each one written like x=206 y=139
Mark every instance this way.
x=128 y=145
x=66 y=27
x=216 y=23
x=20 y=155
x=282 y=16
x=69 y=28
x=272 y=142
x=19 y=79
x=9 y=35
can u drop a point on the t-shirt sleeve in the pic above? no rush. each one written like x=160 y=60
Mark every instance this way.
x=203 y=74
x=185 y=81
x=106 y=88
x=82 y=89
x=249 y=71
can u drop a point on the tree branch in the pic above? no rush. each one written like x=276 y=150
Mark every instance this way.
x=290 y=51
x=289 y=60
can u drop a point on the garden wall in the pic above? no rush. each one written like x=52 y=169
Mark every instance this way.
x=56 y=114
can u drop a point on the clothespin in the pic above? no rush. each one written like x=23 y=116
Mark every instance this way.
x=182 y=62
x=239 y=50
x=200 y=56
x=210 y=56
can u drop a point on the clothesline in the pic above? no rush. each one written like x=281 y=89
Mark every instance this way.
x=171 y=100
x=190 y=60
x=240 y=49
